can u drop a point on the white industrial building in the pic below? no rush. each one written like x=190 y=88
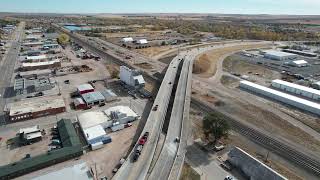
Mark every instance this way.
x=93 y=125
x=75 y=172
x=96 y=137
x=131 y=77
x=90 y=119
x=299 y=63
x=282 y=97
x=278 y=55
x=142 y=41
x=121 y=114
x=296 y=89
x=127 y=40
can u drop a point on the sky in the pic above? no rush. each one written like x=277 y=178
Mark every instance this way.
x=294 y=7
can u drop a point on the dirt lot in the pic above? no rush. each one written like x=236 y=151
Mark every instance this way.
x=255 y=73
x=206 y=64
x=153 y=51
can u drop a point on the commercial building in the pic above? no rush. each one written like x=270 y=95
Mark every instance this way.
x=278 y=55
x=296 y=89
x=251 y=167
x=85 y=88
x=36 y=58
x=50 y=46
x=299 y=63
x=294 y=101
x=41 y=65
x=91 y=119
x=93 y=98
x=76 y=172
x=96 y=137
x=35 y=107
x=121 y=114
x=25 y=86
x=302 y=53
x=109 y=95
x=33 y=37
x=131 y=77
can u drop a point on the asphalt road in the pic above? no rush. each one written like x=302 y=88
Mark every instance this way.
x=7 y=68
x=164 y=162
x=138 y=170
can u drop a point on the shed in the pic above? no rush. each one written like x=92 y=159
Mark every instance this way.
x=299 y=63
x=109 y=95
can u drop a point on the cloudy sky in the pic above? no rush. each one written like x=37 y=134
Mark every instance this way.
x=306 y=7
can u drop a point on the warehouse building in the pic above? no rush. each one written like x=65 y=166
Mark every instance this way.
x=91 y=119
x=25 y=86
x=93 y=125
x=93 y=98
x=85 y=88
x=278 y=55
x=96 y=137
x=299 y=63
x=302 y=53
x=35 y=107
x=121 y=114
x=41 y=65
x=75 y=172
x=251 y=167
x=296 y=89
x=294 y=101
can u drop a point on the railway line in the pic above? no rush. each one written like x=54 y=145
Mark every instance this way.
x=309 y=163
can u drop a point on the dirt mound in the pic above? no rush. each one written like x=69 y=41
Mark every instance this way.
x=202 y=64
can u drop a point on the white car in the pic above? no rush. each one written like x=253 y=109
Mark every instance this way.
x=229 y=178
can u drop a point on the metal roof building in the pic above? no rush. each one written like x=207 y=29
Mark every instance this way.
x=278 y=55
x=121 y=114
x=109 y=95
x=296 y=89
x=96 y=136
x=85 y=88
x=299 y=63
x=91 y=119
x=294 y=101
x=75 y=172
x=92 y=98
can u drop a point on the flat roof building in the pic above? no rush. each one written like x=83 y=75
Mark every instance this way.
x=91 y=119
x=76 y=172
x=36 y=58
x=278 y=55
x=85 y=88
x=121 y=114
x=25 y=86
x=93 y=98
x=288 y=99
x=41 y=65
x=109 y=95
x=35 y=107
x=96 y=136
x=299 y=63
x=296 y=89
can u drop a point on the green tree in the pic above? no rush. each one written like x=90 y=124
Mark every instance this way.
x=63 y=39
x=215 y=127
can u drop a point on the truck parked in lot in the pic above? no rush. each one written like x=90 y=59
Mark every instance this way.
x=142 y=141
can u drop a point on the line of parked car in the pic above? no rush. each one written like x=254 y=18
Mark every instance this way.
x=55 y=140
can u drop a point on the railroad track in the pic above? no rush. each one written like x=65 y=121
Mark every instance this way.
x=269 y=143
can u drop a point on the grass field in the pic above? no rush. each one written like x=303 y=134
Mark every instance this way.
x=188 y=173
